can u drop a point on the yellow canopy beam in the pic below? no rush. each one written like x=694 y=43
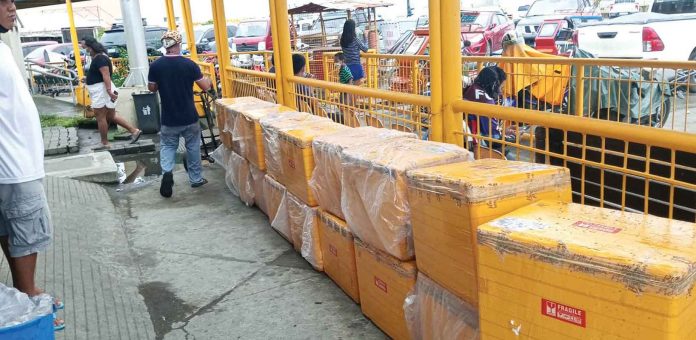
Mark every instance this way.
x=276 y=54
x=450 y=28
x=435 y=71
x=75 y=42
x=171 y=17
x=222 y=43
x=284 y=55
x=188 y=25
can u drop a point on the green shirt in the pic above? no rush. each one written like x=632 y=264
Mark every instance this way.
x=344 y=75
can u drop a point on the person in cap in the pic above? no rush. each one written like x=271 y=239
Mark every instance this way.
x=173 y=77
x=25 y=220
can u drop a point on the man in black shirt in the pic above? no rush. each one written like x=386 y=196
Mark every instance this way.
x=173 y=76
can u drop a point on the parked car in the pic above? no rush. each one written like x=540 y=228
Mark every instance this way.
x=115 y=39
x=521 y=12
x=485 y=30
x=623 y=7
x=556 y=36
x=255 y=35
x=28 y=47
x=541 y=10
x=205 y=37
x=52 y=53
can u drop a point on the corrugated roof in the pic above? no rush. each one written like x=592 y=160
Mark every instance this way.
x=23 y=4
x=339 y=5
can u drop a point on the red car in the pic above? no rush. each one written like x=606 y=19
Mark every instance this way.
x=485 y=30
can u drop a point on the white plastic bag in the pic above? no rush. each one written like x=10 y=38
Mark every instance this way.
x=17 y=308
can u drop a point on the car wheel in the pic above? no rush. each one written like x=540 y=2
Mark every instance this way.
x=692 y=87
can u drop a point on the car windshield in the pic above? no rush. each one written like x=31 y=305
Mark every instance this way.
x=114 y=38
x=476 y=18
x=37 y=53
x=548 y=30
x=546 y=7
x=674 y=6
x=252 y=29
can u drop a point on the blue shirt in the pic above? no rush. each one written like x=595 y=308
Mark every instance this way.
x=174 y=76
x=352 y=52
x=483 y=125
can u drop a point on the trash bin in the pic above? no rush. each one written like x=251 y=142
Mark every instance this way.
x=147 y=109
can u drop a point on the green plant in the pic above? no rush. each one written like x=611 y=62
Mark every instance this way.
x=119 y=77
x=55 y=120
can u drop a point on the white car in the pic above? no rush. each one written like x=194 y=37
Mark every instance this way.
x=623 y=7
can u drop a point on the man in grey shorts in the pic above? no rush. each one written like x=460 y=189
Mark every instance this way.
x=25 y=223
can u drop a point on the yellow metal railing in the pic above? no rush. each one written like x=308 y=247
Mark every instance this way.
x=251 y=83
x=208 y=70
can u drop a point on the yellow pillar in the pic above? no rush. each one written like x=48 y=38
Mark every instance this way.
x=80 y=92
x=435 y=71
x=222 y=43
x=276 y=54
x=284 y=56
x=171 y=17
x=450 y=29
x=188 y=25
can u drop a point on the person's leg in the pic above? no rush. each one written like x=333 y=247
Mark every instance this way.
x=192 y=136
x=118 y=120
x=4 y=244
x=102 y=124
x=169 y=142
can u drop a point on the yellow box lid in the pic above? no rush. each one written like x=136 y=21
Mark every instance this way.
x=404 y=268
x=278 y=120
x=258 y=112
x=487 y=179
x=302 y=135
x=358 y=136
x=643 y=252
x=401 y=155
x=334 y=223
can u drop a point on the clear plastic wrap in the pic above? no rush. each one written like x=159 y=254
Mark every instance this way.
x=249 y=135
x=273 y=193
x=231 y=108
x=374 y=195
x=327 y=149
x=221 y=156
x=311 y=242
x=338 y=250
x=257 y=180
x=281 y=220
x=433 y=313
x=239 y=177
x=384 y=283
x=296 y=218
x=17 y=308
x=567 y=270
x=271 y=124
x=449 y=201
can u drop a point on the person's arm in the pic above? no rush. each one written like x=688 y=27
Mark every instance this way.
x=202 y=81
x=361 y=45
x=152 y=79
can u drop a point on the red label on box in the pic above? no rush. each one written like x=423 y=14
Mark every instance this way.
x=291 y=163
x=380 y=284
x=564 y=313
x=596 y=227
x=333 y=250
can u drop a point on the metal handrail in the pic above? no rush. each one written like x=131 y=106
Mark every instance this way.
x=47 y=66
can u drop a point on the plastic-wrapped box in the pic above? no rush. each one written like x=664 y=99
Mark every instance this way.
x=288 y=139
x=374 y=189
x=257 y=180
x=337 y=246
x=227 y=110
x=248 y=133
x=327 y=150
x=556 y=270
x=449 y=201
x=384 y=283
x=273 y=193
x=303 y=222
x=433 y=313
x=238 y=178
x=221 y=119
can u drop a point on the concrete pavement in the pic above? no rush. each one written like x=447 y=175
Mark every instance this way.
x=132 y=265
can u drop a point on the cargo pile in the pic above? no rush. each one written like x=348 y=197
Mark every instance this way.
x=436 y=245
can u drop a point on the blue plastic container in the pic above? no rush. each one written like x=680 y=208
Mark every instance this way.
x=37 y=329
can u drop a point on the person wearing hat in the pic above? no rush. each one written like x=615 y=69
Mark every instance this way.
x=173 y=77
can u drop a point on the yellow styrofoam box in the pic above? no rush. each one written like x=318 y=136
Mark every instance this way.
x=238 y=178
x=257 y=177
x=449 y=201
x=248 y=133
x=556 y=270
x=434 y=313
x=384 y=283
x=327 y=149
x=303 y=226
x=337 y=245
x=220 y=119
x=374 y=189
x=230 y=108
x=270 y=126
x=297 y=159
x=273 y=193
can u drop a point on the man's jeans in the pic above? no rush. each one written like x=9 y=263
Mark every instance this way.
x=169 y=143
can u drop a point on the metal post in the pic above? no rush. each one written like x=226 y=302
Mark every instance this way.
x=435 y=72
x=171 y=17
x=188 y=25
x=285 y=53
x=276 y=54
x=75 y=42
x=450 y=28
x=580 y=93
x=135 y=42
x=222 y=43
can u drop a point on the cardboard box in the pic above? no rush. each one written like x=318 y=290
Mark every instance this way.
x=238 y=178
x=433 y=313
x=327 y=150
x=384 y=283
x=555 y=270
x=337 y=245
x=449 y=201
x=374 y=189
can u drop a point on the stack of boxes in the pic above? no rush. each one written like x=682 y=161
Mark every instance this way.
x=434 y=245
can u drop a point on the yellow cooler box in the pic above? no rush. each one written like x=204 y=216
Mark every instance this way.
x=384 y=283
x=555 y=270
x=304 y=229
x=337 y=247
x=374 y=189
x=326 y=178
x=228 y=113
x=433 y=313
x=257 y=180
x=220 y=119
x=238 y=178
x=273 y=193
x=249 y=135
x=449 y=201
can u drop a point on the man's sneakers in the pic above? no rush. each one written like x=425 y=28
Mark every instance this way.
x=167 y=183
x=199 y=184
